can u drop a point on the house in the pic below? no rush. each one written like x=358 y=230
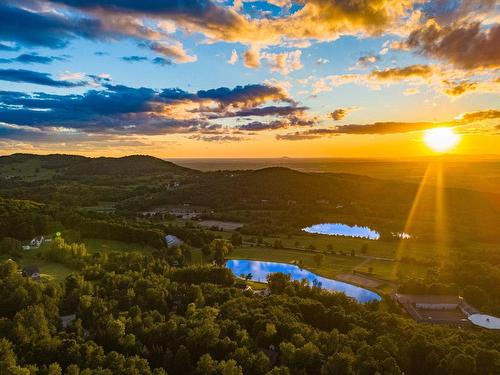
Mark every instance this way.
x=36 y=242
x=172 y=240
x=32 y=271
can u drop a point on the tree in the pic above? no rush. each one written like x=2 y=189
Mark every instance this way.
x=318 y=259
x=219 y=249
x=277 y=282
x=10 y=246
x=236 y=239
x=476 y=296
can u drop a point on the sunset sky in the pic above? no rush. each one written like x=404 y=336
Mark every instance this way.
x=214 y=78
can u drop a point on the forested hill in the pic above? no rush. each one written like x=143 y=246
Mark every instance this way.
x=29 y=165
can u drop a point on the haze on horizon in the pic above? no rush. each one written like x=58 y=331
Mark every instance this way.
x=219 y=79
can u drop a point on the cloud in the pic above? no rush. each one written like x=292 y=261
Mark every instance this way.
x=366 y=61
x=161 y=61
x=411 y=71
x=32 y=58
x=478 y=116
x=53 y=30
x=459 y=88
x=234 y=57
x=173 y=50
x=322 y=61
x=284 y=62
x=134 y=58
x=340 y=113
x=157 y=60
x=316 y=19
x=300 y=120
x=465 y=45
x=217 y=138
x=118 y=109
x=391 y=127
x=251 y=58
x=37 y=78
x=246 y=96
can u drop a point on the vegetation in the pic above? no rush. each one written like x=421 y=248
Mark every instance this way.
x=177 y=310
x=137 y=315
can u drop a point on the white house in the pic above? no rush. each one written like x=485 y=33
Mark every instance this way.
x=36 y=242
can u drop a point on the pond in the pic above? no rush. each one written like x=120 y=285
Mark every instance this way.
x=338 y=229
x=260 y=270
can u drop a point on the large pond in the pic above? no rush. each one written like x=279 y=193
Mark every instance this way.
x=338 y=229
x=260 y=270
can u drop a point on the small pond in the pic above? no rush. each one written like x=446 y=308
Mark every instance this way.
x=338 y=229
x=260 y=270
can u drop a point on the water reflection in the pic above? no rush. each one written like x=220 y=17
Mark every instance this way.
x=260 y=270
x=338 y=229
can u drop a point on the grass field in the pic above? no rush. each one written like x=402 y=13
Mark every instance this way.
x=95 y=245
x=50 y=270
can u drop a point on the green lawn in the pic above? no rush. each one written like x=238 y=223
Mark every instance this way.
x=94 y=245
x=47 y=269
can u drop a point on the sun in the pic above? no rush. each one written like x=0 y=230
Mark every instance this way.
x=441 y=139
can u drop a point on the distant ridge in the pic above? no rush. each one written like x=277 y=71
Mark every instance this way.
x=72 y=165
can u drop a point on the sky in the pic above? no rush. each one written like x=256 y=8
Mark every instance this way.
x=216 y=78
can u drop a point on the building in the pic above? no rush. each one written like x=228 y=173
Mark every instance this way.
x=36 y=242
x=171 y=240
x=435 y=308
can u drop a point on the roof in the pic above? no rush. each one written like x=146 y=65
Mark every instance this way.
x=485 y=321
x=428 y=299
x=172 y=240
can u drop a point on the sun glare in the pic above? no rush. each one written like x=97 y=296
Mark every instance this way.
x=441 y=139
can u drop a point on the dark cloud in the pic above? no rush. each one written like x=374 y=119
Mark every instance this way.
x=126 y=110
x=340 y=113
x=38 y=78
x=48 y=29
x=157 y=60
x=246 y=96
x=32 y=58
x=375 y=128
x=161 y=61
x=217 y=138
x=464 y=45
x=366 y=61
x=261 y=126
x=266 y=111
x=134 y=58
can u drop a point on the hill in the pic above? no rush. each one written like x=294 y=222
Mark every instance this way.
x=39 y=167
